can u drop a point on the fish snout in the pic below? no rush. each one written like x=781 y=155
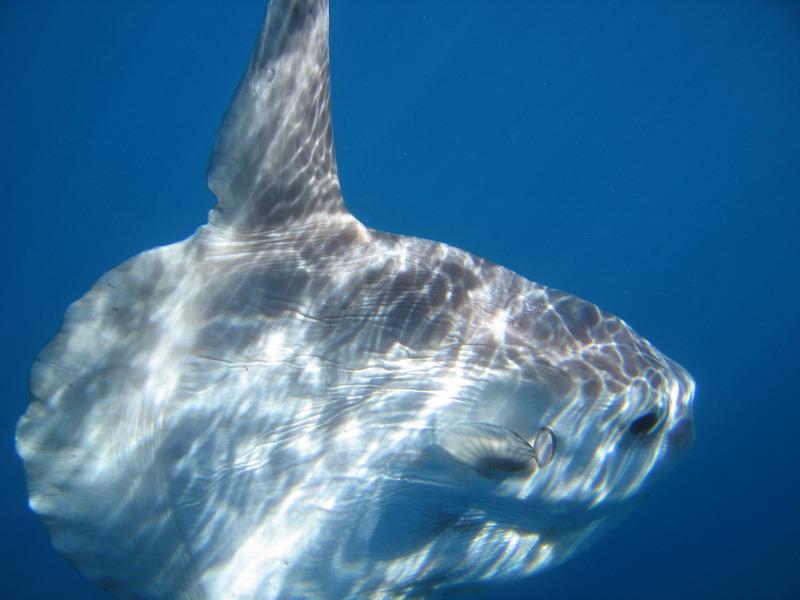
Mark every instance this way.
x=681 y=434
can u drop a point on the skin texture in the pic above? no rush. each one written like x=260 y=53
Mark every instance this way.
x=291 y=404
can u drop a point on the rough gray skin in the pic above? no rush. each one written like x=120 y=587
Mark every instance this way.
x=289 y=404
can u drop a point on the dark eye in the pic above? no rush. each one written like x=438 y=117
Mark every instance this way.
x=644 y=424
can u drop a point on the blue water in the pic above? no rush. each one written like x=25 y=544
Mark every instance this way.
x=645 y=156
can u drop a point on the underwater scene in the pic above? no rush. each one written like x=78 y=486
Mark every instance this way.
x=644 y=157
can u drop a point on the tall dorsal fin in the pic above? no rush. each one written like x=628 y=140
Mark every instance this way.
x=273 y=164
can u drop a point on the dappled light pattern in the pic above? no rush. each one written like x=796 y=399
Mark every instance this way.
x=273 y=164
x=289 y=404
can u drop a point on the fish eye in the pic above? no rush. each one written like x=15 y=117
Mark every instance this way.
x=644 y=424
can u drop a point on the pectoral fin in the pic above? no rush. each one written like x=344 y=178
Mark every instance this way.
x=492 y=450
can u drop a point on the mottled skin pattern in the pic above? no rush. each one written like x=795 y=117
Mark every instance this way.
x=259 y=411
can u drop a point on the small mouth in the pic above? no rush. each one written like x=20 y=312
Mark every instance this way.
x=681 y=434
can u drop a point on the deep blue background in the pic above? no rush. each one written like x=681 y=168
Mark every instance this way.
x=645 y=156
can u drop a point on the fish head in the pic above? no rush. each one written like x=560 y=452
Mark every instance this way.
x=564 y=439
x=615 y=443
x=620 y=410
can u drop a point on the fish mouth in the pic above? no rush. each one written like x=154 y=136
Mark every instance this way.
x=681 y=434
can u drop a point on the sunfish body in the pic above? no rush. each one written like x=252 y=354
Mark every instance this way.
x=289 y=404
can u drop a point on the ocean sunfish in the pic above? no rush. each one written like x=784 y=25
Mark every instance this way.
x=289 y=404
